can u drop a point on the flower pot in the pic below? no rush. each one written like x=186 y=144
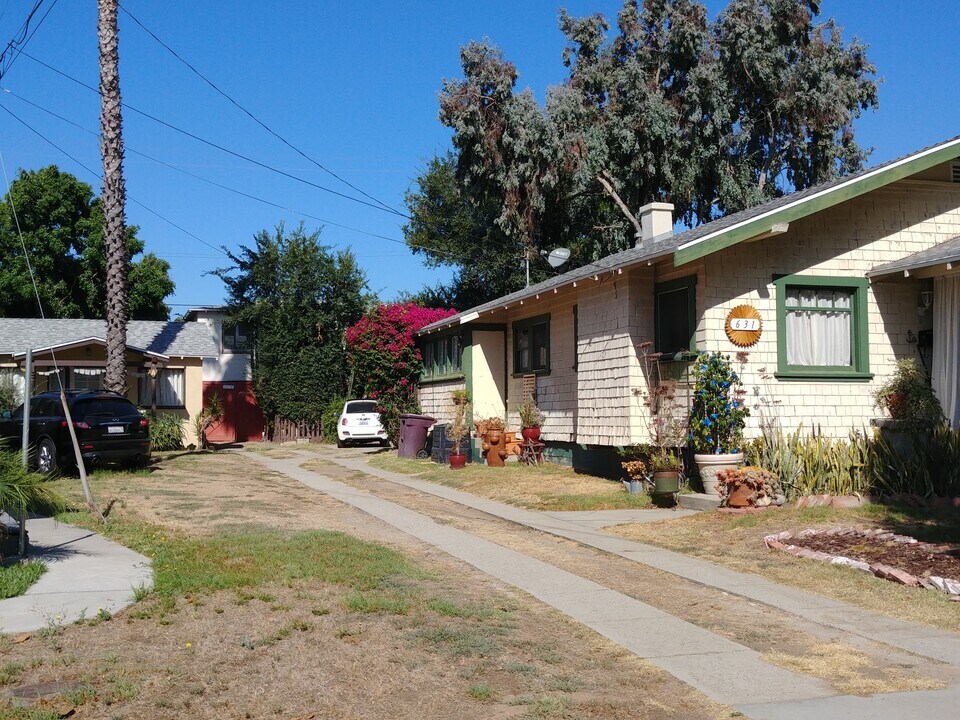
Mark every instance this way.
x=633 y=487
x=531 y=433
x=710 y=465
x=897 y=405
x=458 y=461
x=666 y=482
x=494 y=448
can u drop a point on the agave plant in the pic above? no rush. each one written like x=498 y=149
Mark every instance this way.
x=22 y=491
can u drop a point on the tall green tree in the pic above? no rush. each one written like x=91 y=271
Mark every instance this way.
x=62 y=225
x=298 y=297
x=712 y=116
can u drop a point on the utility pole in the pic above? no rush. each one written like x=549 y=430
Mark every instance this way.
x=113 y=197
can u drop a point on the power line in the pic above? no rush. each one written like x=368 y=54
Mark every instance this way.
x=99 y=176
x=253 y=117
x=217 y=146
x=20 y=40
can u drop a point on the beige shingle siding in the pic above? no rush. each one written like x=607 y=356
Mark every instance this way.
x=844 y=241
x=435 y=399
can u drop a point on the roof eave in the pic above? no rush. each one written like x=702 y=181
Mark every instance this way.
x=803 y=207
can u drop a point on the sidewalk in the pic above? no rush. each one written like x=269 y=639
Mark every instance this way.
x=722 y=669
x=85 y=573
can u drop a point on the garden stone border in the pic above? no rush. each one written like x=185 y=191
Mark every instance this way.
x=776 y=541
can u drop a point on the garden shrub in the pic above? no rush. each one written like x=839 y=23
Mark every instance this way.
x=166 y=432
x=330 y=417
x=926 y=464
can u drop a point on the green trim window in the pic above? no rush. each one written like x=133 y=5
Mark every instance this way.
x=442 y=357
x=822 y=328
x=675 y=315
x=531 y=346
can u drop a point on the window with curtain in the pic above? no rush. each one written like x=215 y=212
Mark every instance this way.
x=821 y=327
x=87 y=378
x=531 y=345
x=170 y=392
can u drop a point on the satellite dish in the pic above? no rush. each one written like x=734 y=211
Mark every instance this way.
x=557 y=256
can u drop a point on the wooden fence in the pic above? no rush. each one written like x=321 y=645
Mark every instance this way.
x=290 y=430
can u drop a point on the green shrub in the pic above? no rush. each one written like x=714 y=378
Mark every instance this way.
x=24 y=491
x=927 y=463
x=166 y=432
x=331 y=415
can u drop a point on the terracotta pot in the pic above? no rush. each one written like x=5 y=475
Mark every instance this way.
x=494 y=448
x=531 y=433
x=897 y=405
x=710 y=465
x=666 y=482
x=458 y=461
x=740 y=497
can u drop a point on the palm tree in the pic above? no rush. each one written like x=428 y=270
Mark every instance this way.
x=113 y=197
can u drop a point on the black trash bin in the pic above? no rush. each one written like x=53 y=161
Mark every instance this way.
x=413 y=434
x=441 y=446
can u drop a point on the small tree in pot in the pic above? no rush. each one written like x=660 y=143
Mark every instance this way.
x=717 y=417
x=458 y=430
x=907 y=395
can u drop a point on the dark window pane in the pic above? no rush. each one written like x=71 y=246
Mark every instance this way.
x=540 y=350
x=673 y=320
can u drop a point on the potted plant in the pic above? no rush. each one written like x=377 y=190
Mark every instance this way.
x=717 y=417
x=635 y=467
x=458 y=430
x=665 y=466
x=491 y=430
x=531 y=420
x=907 y=395
x=666 y=421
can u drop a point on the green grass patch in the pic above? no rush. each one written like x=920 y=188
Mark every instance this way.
x=458 y=641
x=15 y=579
x=10 y=672
x=480 y=692
x=242 y=560
x=619 y=501
x=449 y=608
x=376 y=602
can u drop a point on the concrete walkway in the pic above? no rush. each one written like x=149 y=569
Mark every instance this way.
x=85 y=572
x=922 y=640
x=722 y=669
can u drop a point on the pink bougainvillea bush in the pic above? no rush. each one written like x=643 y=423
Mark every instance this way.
x=385 y=360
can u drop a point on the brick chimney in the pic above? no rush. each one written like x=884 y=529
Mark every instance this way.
x=656 y=220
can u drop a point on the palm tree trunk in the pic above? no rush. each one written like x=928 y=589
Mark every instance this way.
x=114 y=197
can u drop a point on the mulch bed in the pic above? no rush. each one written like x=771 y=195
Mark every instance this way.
x=895 y=557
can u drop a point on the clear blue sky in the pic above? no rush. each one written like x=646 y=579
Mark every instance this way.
x=354 y=85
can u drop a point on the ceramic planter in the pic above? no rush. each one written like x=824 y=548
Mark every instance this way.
x=530 y=433
x=494 y=449
x=710 y=465
x=666 y=482
x=458 y=461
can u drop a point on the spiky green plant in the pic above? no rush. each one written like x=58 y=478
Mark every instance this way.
x=22 y=491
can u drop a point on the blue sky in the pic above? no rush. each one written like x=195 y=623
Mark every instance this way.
x=354 y=85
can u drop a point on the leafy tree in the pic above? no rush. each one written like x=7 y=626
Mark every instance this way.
x=62 y=225
x=713 y=117
x=385 y=359
x=298 y=297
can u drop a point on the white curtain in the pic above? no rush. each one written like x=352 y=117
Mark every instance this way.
x=946 y=345
x=169 y=389
x=13 y=377
x=818 y=337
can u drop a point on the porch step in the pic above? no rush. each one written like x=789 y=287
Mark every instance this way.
x=699 y=501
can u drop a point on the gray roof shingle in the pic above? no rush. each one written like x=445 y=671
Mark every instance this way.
x=945 y=252
x=188 y=339
x=655 y=249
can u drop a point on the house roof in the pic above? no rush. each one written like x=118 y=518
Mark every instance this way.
x=731 y=229
x=189 y=339
x=946 y=253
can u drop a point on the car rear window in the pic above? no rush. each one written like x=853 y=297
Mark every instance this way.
x=366 y=406
x=103 y=407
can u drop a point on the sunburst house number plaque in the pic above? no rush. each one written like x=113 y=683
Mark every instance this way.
x=743 y=325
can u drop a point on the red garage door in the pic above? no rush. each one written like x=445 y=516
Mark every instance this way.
x=242 y=420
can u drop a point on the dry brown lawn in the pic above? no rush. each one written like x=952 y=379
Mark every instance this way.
x=737 y=542
x=544 y=487
x=432 y=638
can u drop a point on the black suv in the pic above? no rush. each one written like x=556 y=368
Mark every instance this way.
x=109 y=429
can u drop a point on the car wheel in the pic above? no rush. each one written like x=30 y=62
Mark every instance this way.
x=340 y=443
x=385 y=443
x=46 y=457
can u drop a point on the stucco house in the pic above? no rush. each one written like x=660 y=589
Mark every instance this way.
x=839 y=280
x=229 y=374
x=165 y=360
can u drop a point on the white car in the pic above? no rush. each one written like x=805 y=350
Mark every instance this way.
x=360 y=423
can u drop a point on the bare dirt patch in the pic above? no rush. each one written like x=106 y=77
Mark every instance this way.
x=451 y=643
x=737 y=542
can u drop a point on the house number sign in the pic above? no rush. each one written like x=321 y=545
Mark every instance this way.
x=743 y=326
